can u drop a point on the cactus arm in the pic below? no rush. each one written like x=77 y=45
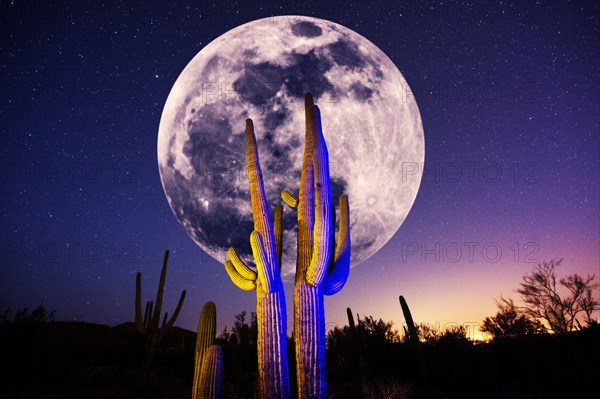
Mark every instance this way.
x=238 y=279
x=147 y=312
x=289 y=199
x=306 y=196
x=278 y=231
x=337 y=277
x=266 y=273
x=322 y=228
x=239 y=273
x=333 y=244
x=176 y=312
x=240 y=265
x=139 y=323
x=164 y=322
x=148 y=321
x=262 y=224
x=343 y=241
x=161 y=290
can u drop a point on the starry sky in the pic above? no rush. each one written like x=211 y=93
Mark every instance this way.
x=508 y=94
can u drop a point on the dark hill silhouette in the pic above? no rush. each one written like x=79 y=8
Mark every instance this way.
x=85 y=360
x=76 y=360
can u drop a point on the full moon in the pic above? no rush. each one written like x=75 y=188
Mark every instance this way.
x=261 y=70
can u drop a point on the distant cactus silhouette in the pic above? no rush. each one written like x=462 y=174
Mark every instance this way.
x=414 y=340
x=271 y=316
x=149 y=325
x=319 y=271
x=207 y=327
x=350 y=319
x=148 y=312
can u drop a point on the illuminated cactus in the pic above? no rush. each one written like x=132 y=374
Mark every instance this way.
x=211 y=376
x=413 y=337
x=149 y=325
x=271 y=317
x=318 y=271
x=207 y=328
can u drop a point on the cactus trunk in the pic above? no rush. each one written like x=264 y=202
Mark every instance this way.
x=151 y=342
x=272 y=345
x=309 y=322
x=211 y=376
x=351 y=324
x=205 y=337
x=415 y=342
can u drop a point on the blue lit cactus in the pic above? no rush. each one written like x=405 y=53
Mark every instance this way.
x=319 y=271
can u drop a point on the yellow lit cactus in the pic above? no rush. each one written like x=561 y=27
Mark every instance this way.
x=265 y=241
x=207 y=328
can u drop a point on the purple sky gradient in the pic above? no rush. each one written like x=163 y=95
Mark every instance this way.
x=509 y=100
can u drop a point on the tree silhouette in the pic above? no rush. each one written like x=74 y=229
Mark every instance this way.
x=427 y=333
x=367 y=350
x=510 y=322
x=540 y=292
x=247 y=334
x=456 y=334
x=23 y=316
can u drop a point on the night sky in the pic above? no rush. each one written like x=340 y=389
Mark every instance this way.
x=508 y=94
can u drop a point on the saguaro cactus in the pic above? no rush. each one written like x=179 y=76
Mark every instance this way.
x=207 y=328
x=211 y=376
x=265 y=241
x=149 y=325
x=351 y=324
x=318 y=270
x=413 y=337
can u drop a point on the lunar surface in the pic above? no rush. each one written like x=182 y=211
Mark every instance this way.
x=261 y=70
